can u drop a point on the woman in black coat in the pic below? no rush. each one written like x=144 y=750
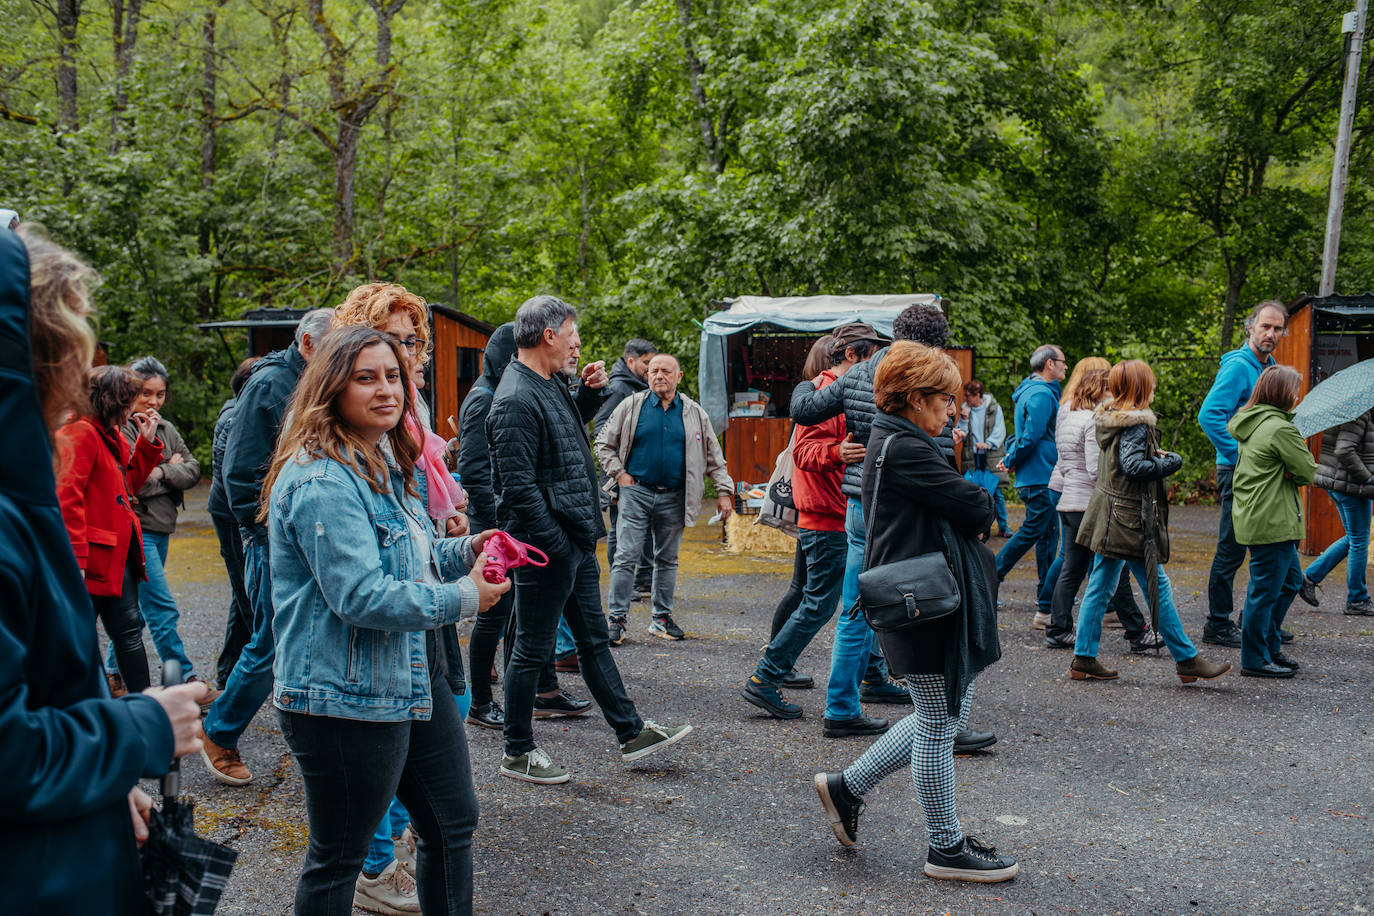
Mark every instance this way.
x=922 y=505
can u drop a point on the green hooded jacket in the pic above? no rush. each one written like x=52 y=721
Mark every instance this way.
x=1274 y=463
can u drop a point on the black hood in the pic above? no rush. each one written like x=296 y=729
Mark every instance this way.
x=497 y=356
x=621 y=370
x=26 y=472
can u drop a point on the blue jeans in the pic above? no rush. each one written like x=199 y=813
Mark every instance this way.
x=999 y=505
x=158 y=606
x=1106 y=575
x=1039 y=530
x=250 y=683
x=565 y=644
x=1275 y=577
x=853 y=636
x=383 y=849
x=826 y=552
x=1353 y=548
x=1044 y=598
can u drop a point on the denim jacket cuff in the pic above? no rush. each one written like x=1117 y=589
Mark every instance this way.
x=468 y=599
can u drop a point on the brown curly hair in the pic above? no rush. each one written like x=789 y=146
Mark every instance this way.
x=112 y=391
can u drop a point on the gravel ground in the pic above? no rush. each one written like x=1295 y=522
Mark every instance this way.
x=1134 y=796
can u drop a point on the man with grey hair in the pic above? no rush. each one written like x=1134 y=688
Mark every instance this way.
x=546 y=495
x=259 y=415
x=1032 y=455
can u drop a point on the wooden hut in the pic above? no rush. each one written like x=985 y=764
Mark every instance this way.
x=1325 y=335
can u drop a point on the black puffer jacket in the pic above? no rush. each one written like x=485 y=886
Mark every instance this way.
x=218 y=502
x=474 y=451
x=542 y=467
x=1346 y=464
x=258 y=418
x=623 y=383
x=852 y=395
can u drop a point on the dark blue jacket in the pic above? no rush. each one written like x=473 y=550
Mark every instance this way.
x=69 y=753
x=1031 y=453
x=258 y=418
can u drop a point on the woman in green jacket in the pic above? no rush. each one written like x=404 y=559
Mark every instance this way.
x=1267 y=515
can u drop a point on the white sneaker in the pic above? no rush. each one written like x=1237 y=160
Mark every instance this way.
x=392 y=892
x=405 y=850
x=1039 y=621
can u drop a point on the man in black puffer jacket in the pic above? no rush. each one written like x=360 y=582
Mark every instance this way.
x=546 y=495
x=627 y=378
x=852 y=395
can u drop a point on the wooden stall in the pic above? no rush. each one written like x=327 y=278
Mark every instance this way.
x=1325 y=335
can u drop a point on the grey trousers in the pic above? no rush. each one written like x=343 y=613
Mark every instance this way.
x=644 y=515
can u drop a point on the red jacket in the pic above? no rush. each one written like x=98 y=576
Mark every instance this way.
x=93 y=489
x=818 y=471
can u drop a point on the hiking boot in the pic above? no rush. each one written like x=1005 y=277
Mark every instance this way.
x=1285 y=637
x=770 y=699
x=652 y=737
x=888 y=691
x=1228 y=638
x=618 y=628
x=534 y=767
x=970 y=861
x=568 y=664
x=1280 y=659
x=117 y=688
x=1363 y=608
x=224 y=763
x=1088 y=668
x=968 y=741
x=1308 y=591
x=859 y=725
x=664 y=628
x=392 y=892
x=211 y=694
x=562 y=704
x=795 y=680
x=1270 y=670
x=487 y=715
x=1112 y=621
x=1059 y=642
x=1147 y=641
x=1198 y=667
x=1040 y=621
x=842 y=807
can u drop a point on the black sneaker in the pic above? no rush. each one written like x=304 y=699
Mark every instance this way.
x=1144 y=642
x=1229 y=637
x=970 y=861
x=1059 y=642
x=969 y=741
x=888 y=691
x=1284 y=661
x=665 y=628
x=859 y=725
x=1308 y=591
x=842 y=807
x=617 y=626
x=487 y=715
x=1362 y=608
x=564 y=704
x=770 y=699
x=795 y=680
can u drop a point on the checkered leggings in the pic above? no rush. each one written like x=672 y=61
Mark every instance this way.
x=925 y=741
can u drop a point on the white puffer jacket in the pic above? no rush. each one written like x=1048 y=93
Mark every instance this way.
x=1076 y=439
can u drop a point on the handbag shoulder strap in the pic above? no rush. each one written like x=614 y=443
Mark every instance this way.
x=877 y=490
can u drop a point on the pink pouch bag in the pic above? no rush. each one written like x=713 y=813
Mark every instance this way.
x=505 y=553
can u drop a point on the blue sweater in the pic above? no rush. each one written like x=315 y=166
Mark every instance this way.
x=1032 y=453
x=1240 y=369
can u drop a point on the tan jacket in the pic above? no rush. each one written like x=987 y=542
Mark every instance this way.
x=618 y=434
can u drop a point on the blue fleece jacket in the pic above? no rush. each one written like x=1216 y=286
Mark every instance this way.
x=1240 y=369
x=1032 y=453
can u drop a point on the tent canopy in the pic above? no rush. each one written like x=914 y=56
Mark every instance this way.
x=815 y=314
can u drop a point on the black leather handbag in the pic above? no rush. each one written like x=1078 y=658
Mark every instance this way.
x=906 y=593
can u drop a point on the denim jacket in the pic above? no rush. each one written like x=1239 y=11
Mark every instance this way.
x=350 y=609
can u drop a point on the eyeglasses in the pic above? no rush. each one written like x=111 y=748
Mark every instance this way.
x=410 y=343
x=948 y=398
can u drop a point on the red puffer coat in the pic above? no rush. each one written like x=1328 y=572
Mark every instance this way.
x=821 y=505
x=93 y=489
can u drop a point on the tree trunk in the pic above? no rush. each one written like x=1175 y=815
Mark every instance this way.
x=68 y=16
x=1237 y=272
x=124 y=22
x=208 y=126
x=712 y=137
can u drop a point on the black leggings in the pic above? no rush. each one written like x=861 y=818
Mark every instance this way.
x=124 y=626
x=1078 y=561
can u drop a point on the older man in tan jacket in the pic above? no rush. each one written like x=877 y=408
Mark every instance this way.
x=657 y=446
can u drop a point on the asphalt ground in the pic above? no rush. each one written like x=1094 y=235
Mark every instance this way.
x=1133 y=796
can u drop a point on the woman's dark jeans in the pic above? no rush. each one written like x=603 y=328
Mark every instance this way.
x=351 y=771
x=124 y=626
x=1078 y=562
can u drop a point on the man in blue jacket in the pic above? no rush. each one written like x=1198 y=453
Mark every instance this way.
x=1240 y=369
x=1032 y=455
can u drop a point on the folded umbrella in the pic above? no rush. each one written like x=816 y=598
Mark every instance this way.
x=183 y=874
x=1343 y=397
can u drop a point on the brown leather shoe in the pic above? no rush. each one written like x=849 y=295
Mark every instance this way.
x=1199 y=667
x=568 y=664
x=225 y=764
x=117 y=688
x=1087 y=668
x=211 y=694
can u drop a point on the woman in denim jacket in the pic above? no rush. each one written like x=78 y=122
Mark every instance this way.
x=359 y=584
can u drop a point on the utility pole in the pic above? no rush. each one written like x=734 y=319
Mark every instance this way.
x=1353 y=24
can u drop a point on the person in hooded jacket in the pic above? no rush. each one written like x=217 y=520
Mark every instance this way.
x=238 y=628
x=628 y=377
x=1127 y=524
x=1346 y=471
x=1273 y=462
x=74 y=816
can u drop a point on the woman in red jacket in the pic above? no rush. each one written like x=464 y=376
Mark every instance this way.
x=98 y=474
